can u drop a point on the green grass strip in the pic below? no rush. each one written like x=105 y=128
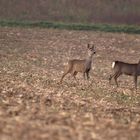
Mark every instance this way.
x=73 y=26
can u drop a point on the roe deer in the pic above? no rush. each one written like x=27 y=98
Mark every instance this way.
x=76 y=65
x=120 y=68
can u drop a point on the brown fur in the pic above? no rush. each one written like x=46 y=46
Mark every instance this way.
x=75 y=65
x=127 y=69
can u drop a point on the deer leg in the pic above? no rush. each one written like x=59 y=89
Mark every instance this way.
x=84 y=75
x=116 y=77
x=116 y=81
x=64 y=75
x=110 y=77
x=135 y=81
x=87 y=74
x=74 y=74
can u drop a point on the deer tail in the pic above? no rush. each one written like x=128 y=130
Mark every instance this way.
x=114 y=64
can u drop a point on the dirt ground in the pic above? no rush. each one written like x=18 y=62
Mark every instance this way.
x=34 y=106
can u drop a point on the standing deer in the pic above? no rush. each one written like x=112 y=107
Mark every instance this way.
x=120 y=68
x=76 y=65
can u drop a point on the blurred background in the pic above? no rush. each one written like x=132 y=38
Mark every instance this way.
x=72 y=11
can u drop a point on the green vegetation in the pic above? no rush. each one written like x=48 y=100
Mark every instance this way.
x=73 y=26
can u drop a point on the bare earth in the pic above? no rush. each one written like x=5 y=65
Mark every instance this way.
x=34 y=106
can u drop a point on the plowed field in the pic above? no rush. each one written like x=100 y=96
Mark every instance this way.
x=34 y=106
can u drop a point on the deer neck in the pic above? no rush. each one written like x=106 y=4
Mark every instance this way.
x=89 y=58
x=88 y=61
